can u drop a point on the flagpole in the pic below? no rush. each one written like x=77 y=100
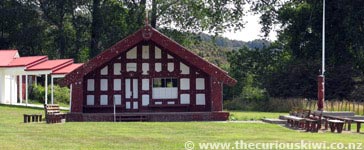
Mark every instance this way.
x=323 y=39
x=321 y=77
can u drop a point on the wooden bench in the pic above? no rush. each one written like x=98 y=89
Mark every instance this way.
x=347 y=121
x=297 y=117
x=358 y=125
x=312 y=125
x=53 y=113
x=336 y=125
x=294 y=121
x=32 y=118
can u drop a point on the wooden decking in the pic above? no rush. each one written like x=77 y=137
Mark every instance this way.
x=149 y=116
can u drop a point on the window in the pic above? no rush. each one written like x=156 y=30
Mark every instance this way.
x=165 y=82
x=165 y=88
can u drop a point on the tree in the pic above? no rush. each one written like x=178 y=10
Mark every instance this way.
x=20 y=28
x=300 y=37
x=198 y=15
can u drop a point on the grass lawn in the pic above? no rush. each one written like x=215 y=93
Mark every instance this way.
x=239 y=115
x=145 y=135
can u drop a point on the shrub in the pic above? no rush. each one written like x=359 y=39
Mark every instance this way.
x=37 y=93
x=61 y=94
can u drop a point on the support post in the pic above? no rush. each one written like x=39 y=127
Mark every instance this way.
x=46 y=88
x=71 y=97
x=20 y=88
x=36 y=80
x=26 y=90
x=52 y=90
x=11 y=89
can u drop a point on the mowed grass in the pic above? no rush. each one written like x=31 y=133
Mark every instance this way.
x=14 y=134
x=247 y=115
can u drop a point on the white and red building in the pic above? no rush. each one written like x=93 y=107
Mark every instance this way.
x=18 y=73
x=150 y=76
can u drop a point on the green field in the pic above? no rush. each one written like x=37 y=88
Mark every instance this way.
x=146 y=135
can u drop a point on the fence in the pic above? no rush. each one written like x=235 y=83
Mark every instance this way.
x=336 y=105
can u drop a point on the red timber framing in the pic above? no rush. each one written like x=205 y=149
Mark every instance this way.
x=147 y=73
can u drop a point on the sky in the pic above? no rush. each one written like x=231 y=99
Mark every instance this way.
x=251 y=30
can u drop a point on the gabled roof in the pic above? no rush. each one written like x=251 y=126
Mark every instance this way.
x=149 y=34
x=27 y=61
x=51 y=65
x=6 y=56
x=67 y=69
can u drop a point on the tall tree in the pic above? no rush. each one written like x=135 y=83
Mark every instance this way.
x=198 y=15
x=300 y=36
x=95 y=28
x=20 y=28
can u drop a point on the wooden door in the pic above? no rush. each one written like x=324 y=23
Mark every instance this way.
x=131 y=94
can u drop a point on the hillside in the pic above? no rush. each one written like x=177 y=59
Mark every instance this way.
x=210 y=47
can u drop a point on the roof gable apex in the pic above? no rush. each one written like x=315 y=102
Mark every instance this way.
x=148 y=34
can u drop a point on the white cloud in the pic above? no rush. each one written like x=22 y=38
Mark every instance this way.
x=251 y=30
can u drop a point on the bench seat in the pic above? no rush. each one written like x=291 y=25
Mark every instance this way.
x=336 y=125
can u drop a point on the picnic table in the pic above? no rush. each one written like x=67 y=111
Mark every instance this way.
x=358 y=125
x=347 y=121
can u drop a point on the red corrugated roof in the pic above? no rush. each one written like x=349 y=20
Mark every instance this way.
x=27 y=61
x=51 y=65
x=6 y=56
x=67 y=69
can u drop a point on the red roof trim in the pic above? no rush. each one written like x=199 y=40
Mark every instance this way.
x=66 y=69
x=6 y=56
x=50 y=65
x=27 y=61
x=149 y=33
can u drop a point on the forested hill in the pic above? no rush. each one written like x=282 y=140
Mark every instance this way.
x=234 y=44
x=212 y=48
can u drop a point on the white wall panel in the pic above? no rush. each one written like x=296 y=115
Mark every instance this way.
x=145 y=100
x=145 y=52
x=158 y=53
x=185 y=98
x=145 y=68
x=117 y=68
x=132 y=54
x=104 y=71
x=127 y=105
x=184 y=68
x=165 y=93
x=200 y=99
x=117 y=99
x=135 y=105
x=145 y=84
x=131 y=67
x=90 y=100
x=158 y=67
x=200 y=83
x=117 y=84
x=103 y=84
x=135 y=88
x=127 y=88
x=185 y=84
x=90 y=85
x=103 y=100
x=170 y=67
